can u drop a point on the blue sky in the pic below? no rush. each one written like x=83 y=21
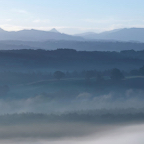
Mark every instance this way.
x=71 y=16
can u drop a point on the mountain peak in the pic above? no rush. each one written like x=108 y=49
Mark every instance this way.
x=1 y=30
x=54 y=30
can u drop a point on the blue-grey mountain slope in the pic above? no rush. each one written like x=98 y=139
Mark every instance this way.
x=126 y=34
x=36 y=35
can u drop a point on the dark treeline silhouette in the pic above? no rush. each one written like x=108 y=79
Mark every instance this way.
x=31 y=73
x=69 y=59
x=58 y=75
x=114 y=74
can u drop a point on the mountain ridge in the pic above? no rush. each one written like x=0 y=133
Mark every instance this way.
x=36 y=35
x=125 y=35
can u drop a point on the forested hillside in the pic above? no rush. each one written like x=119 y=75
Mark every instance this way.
x=69 y=59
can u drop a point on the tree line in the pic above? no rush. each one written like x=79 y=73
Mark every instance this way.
x=114 y=74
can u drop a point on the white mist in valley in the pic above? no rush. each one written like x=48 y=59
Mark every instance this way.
x=126 y=134
x=83 y=101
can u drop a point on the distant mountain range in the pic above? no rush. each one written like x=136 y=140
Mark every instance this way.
x=36 y=35
x=126 y=34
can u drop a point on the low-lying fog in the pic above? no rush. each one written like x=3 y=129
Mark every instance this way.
x=63 y=113
x=130 y=134
x=62 y=101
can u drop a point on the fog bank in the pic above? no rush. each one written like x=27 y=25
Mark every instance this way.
x=131 y=134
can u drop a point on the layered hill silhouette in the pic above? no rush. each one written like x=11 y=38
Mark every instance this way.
x=71 y=44
x=126 y=34
x=36 y=35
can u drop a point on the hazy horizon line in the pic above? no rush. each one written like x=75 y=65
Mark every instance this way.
x=59 y=29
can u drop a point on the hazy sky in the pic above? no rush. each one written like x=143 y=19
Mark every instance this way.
x=71 y=16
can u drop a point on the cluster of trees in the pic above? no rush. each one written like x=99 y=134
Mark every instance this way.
x=25 y=77
x=58 y=75
x=137 y=72
x=116 y=75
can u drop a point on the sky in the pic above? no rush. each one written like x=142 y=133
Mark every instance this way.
x=71 y=16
